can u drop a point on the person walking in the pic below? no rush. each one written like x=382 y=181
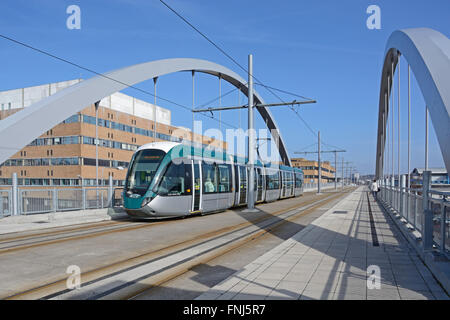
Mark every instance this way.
x=374 y=188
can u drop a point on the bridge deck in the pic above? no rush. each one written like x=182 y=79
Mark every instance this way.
x=329 y=259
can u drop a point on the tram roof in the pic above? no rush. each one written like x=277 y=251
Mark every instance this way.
x=183 y=149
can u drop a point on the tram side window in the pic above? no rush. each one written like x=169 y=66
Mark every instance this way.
x=209 y=178
x=277 y=180
x=298 y=180
x=236 y=177
x=224 y=178
x=273 y=181
x=197 y=181
x=242 y=172
x=260 y=178
x=176 y=181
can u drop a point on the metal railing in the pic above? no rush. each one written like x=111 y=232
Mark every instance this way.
x=313 y=186
x=409 y=204
x=42 y=200
x=5 y=203
x=439 y=204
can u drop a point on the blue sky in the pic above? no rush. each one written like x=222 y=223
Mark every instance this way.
x=319 y=49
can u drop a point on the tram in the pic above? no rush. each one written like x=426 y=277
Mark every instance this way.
x=167 y=179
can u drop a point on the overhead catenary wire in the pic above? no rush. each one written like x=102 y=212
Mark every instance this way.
x=287 y=92
x=257 y=81
x=106 y=77
x=312 y=144
x=219 y=97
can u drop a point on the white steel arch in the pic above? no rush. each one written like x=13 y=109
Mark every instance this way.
x=21 y=128
x=428 y=53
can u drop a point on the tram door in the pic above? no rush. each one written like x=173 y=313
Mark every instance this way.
x=292 y=183
x=242 y=184
x=197 y=189
x=259 y=184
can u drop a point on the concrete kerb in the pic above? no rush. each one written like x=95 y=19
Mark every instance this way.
x=440 y=268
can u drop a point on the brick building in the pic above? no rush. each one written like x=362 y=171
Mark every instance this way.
x=66 y=154
x=311 y=170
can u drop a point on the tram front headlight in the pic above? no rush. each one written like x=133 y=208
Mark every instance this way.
x=146 y=201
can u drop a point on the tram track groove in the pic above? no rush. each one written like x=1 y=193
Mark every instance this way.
x=5 y=237
x=120 y=228
x=100 y=232
x=105 y=272
x=227 y=250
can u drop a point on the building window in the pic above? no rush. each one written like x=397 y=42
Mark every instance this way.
x=71 y=119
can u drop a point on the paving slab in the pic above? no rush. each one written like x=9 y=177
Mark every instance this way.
x=354 y=251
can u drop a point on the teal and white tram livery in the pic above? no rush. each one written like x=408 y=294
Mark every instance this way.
x=167 y=179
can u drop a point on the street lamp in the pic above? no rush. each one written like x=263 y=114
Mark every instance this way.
x=96 y=149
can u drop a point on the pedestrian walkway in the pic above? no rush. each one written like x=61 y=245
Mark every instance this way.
x=333 y=258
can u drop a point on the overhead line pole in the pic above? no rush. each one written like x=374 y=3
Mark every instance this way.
x=318 y=158
x=154 y=109
x=251 y=142
x=251 y=130
x=345 y=177
x=193 y=106
x=335 y=161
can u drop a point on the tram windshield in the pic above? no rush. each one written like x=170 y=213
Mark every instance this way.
x=143 y=170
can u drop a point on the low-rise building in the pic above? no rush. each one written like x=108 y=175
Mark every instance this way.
x=439 y=177
x=311 y=170
x=66 y=154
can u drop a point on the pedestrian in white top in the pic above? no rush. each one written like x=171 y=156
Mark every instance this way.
x=374 y=188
